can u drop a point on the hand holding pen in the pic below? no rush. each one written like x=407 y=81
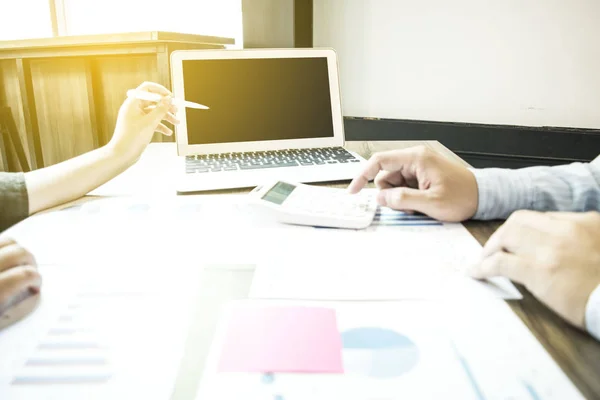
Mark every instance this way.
x=139 y=119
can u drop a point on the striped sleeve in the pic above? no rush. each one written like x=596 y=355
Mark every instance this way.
x=573 y=187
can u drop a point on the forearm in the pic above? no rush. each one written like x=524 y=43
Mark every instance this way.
x=74 y=178
x=574 y=187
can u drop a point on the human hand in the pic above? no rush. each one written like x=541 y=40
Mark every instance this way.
x=419 y=179
x=139 y=119
x=555 y=255
x=19 y=280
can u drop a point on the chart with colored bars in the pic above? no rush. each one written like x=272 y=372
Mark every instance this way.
x=106 y=335
x=388 y=217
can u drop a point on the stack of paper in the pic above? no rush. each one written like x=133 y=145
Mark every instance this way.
x=119 y=273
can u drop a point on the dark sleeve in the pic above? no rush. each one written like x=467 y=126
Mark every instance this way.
x=14 y=201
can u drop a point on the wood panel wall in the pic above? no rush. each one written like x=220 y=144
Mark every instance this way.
x=3 y=159
x=10 y=96
x=61 y=100
x=77 y=100
x=113 y=77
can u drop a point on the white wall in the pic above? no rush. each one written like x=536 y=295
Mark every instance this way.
x=521 y=62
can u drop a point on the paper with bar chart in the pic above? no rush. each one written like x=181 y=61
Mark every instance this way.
x=401 y=256
x=99 y=334
x=477 y=350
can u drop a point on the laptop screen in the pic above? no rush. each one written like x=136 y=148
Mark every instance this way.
x=258 y=99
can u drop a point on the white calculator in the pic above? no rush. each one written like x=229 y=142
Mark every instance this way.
x=300 y=204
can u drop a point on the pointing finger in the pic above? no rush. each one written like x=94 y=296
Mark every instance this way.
x=394 y=160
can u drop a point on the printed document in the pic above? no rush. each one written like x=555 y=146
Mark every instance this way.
x=469 y=350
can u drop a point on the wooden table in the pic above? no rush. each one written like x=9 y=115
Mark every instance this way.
x=575 y=351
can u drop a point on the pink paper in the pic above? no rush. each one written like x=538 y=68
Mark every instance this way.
x=282 y=339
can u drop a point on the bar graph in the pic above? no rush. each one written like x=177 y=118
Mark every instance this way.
x=388 y=217
x=113 y=336
x=54 y=380
x=73 y=352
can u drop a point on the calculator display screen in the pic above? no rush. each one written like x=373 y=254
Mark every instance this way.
x=279 y=192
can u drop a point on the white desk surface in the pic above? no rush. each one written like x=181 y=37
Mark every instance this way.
x=151 y=175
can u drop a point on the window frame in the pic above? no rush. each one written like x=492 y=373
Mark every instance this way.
x=58 y=19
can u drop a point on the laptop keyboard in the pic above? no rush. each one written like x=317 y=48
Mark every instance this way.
x=267 y=159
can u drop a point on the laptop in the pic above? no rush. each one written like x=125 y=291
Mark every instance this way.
x=273 y=114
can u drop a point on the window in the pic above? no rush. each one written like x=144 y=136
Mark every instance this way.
x=86 y=17
x=203 y=17
x=25 y=19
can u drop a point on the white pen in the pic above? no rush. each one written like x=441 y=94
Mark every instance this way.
x=148 y=96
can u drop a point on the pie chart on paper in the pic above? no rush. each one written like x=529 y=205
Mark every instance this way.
x=378 y=353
